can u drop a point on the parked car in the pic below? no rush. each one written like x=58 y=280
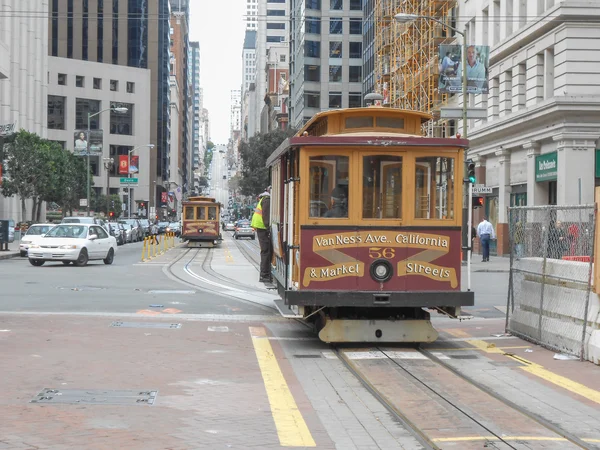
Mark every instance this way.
x=76 y=243
x=174 y=227
x=229 y=226
x=243 y=229
x=85 y=219
x=137 y=233
x=116 y=231
x=33 y=234
x=162 y=227
x=145 y=223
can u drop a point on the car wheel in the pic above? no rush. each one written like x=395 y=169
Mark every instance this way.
x=82 y=259
x=109 y=257
x=66 y=263
x=22 y=254
x=253 y=237
x=36 y=262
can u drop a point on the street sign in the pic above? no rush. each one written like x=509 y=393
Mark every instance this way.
x=481 y=189
x=83 y=202
x=123 y=206
x=128 y=181
x=456 y=113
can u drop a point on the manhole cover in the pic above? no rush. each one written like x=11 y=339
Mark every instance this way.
x=145 y=325
x=96 y=396
x=463 y=356
x=307 y=356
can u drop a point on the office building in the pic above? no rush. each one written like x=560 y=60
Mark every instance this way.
x=194 y=75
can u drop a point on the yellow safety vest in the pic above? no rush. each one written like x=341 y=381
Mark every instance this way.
x=257 y=220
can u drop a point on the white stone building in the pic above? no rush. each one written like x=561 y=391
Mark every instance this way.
x=542 y=129
x=23 y=77
x=76 y=87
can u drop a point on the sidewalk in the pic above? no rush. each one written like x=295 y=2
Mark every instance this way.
x=495 y=264
x=13 y=251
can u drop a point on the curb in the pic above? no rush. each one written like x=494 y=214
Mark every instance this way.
x=9 y=255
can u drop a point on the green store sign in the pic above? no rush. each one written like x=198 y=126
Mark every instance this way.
x=598 y=163
x=546 y=167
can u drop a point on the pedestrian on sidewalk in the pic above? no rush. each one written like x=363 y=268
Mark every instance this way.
x=261 y=222
x=485 y=232
x=154 y=233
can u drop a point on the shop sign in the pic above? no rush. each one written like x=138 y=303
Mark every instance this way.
x=598 y=163
x=546 y=167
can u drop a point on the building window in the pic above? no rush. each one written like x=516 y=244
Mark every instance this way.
x=69 y=28
x=130 y=87
x=335 y=73
x=355 y=5
x=79 y=81
x=355 y=26
x=335 y=26
x=434 y=188
x=356 y=50
x=275 y=12
x=336 y=4
x=83 y=106
x=275 y=26
x=382 y=187
x=355 y=74
x=312 y=73
x=121 y=123
x=312 y=100
x=312 y=49
x=335 y=100
x=62 y=79
x=354 y=100
x=328 y=180
x=56 y=112
x=114 y=85
x=54 y=27
x=313 y=4
x=335 y=49
x=275 y=38
x=281 y=58
x=97 y=83
x=115 y=32
x=100 y=38
x=312 y=25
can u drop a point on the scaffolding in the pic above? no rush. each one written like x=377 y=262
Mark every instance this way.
x=407 y=63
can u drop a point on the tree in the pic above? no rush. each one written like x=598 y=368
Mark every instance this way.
x=210 y=145
x=202 y=182
x=254 y=154
x=75 y=183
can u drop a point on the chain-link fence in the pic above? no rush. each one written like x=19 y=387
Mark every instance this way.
x=551 y=275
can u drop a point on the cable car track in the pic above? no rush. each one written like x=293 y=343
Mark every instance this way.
x=428 y=442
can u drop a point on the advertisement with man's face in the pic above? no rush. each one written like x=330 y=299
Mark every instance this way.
x=81 y=139
x=450 y=67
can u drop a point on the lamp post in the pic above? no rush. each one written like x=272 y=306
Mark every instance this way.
x=117 y=109
x=108 y=163
x=129 y=175
x=466 y=209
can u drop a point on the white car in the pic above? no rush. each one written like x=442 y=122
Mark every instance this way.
x=77 y=243
x=34 y=233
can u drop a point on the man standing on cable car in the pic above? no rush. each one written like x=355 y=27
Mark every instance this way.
x=260 y=222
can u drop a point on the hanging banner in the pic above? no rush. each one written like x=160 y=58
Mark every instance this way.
x=478 y=61
x=135 y=164
x=163 y=197
x=123 y=165
x=7 y=129
x=81 y=138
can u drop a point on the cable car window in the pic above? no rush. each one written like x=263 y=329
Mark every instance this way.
x=382 y=187
x=390 y=122
x=434 y=188
x=212 y=213
x=359 y=122
x=329 y=177
x=189 y=213
x=200 y=213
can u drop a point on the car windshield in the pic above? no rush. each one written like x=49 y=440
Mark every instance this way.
x=129 y=222
x=68 y=231
x=37 y=230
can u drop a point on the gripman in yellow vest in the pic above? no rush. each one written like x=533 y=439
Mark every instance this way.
x=260 y=222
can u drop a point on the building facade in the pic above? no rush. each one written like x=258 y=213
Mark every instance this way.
x=194 y=74
x=248 y=84
x=369 y=53
x=76 y=88
x=326 y=57
x=538 y=144
x=251 y=18
x=23 y=79
x=134 y=33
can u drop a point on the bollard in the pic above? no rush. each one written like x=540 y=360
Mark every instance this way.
x=149 y=248
x=143 y=250
x=164 y=245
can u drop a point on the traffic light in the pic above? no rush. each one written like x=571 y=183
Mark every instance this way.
x=142 y=204
x=477 y=202
x=471 y=172
x=111 y=214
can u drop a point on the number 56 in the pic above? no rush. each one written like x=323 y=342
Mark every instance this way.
x=378 y=252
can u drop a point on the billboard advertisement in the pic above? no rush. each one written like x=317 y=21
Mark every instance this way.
x=450 y=67
x=80 y=137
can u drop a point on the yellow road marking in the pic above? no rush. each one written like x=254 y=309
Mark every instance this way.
x=457 y=332
x=228 y=255
x=291 y=427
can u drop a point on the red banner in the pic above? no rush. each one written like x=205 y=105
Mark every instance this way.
x=163 y=197
x=123 y=165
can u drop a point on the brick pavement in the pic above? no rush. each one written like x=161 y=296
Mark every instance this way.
x=212 y=397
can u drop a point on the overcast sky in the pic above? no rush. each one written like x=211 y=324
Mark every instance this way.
x=219 y=27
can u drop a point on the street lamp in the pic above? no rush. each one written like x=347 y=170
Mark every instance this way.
x=117 y=109
x=151 y=146
x=466 y=225
x=108 y=163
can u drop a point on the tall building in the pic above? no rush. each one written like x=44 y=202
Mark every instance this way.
x=251 y=18
x=23 y=80
x=194 y=74
x=248 y=60
x=235 y=116
x=134 y=33
x=271 y=48
x=182 y=153
x=368 y=47
x=326 y=57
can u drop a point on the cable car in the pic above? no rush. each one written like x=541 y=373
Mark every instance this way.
x=200 y=222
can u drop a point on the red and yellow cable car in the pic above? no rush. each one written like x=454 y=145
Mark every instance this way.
x=200 y=222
